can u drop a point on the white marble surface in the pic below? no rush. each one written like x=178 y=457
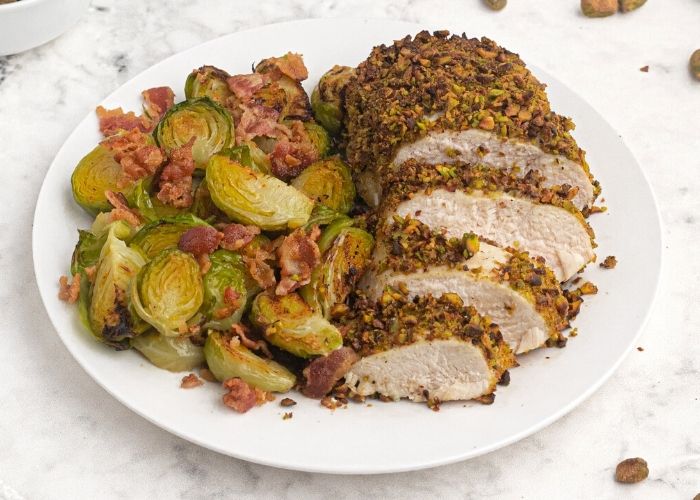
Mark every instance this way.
x=61 y=436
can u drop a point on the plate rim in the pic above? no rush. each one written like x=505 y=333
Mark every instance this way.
x=345 y=470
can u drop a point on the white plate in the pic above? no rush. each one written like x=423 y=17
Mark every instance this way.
x=385 y=437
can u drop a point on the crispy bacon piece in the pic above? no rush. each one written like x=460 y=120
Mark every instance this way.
x=204 y=263
x=240 y=396
x=291 y=65
x=245 y=86
x=323 y=373
x=121 y=210
x=200 y=240
x=232 y=299
x=69 y=292
x=293 y=152
x=236 y=236
x=176 y=178
x=257 y=121
x=298 y=256
x=156 y=102
x=242 y=333
x=190 y=381
x=136 y=153
x=259 y=269
x=115 y=120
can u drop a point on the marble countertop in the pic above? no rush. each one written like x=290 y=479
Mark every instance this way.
x=62 y=436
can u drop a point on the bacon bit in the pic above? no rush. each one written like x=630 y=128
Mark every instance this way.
x=298 y=256
x=609 y=262
x=115 y=120
x=207 y=375
x=257 y=121
x=176 y=178
x=204 y=263
x=240 y=396
x=190 y=381
x=293 y=152
x=136 y=154
x=244 y=87
x=330 y=402
x=232 y=299
x=121 y=210
x=287 y=402
x=200 y=240
x=156 y=102
x=236 y=236
x=259 y=269
x=242 y=333
x=263 y=397
x=588 y=288
x=291 y=65
x=323 y=373
x=69 y=292
x=90 y=273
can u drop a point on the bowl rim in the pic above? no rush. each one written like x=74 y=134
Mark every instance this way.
x=20 y=4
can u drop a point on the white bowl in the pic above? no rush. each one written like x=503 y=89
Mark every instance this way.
x=29 y=23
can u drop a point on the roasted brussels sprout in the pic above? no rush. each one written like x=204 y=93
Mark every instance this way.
x=86 y=254
x=332 y=231
x=149 y=206
x=254 y=198
x=176 y=354
x=249 y=155
x=227 y=271
x=321 y=215
x=327 y=98
x=210 y=124
x=342 y=266
x=328 y=182
x=227 y=359
x=290 y=324
x=319 y=138
x=163 y=234
x=96 y=173
x=110 y=318
x=168 y=291
x=208 y=81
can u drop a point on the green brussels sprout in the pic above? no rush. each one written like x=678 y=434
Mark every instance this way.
x=254 y=198
x=342 y=266
x=176 y=354
x=328 y=182
x=86 y=254
x=96 y=173
x=321 y=215
x=163 y=234
x=110 y=318
x=228 y=359
x=227 y=270
x=210 y=124
x=168 y=291
x=249 y=155
x=208 y=81
x=290 y=324
x=319 y=138
x=327 y=98
x=332 y=231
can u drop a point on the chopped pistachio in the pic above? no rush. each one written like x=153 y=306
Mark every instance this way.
x=599 y=8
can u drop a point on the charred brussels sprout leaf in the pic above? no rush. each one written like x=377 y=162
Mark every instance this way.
x=87 y=251
x=227 y=359
x=110 y=318
x=168 y=291
x=254 y=198
x=342 y=266
x=208 y=81
x=227 y=271
x=96 y=173
x=163 y=234
x=332 y=231
x=290 y=324
x=176 y=354
x=319 y=138
x=328 y=182
x=210 y=124
x=328 y=96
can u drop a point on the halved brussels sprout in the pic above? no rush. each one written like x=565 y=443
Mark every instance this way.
x=96 y=173
x=332 y=231
x=342 y=266
x=327 y=98
x=227 y=359
x=227 y=270
x=249 y=155
x=176 y=354
x=319 y=138
x=168 y=291
x=290 y=324
x=328 y=182
x=163 y=234
x=254 y=198
x=208 y=81
x=210 y=124
x=110 y=318
x=321 y=215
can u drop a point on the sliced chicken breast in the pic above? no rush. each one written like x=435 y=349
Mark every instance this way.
x=434 y=350
x=555 y=233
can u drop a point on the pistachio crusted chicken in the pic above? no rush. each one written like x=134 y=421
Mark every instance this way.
x=425 y=349
x=518 y=293
x=438 y=98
